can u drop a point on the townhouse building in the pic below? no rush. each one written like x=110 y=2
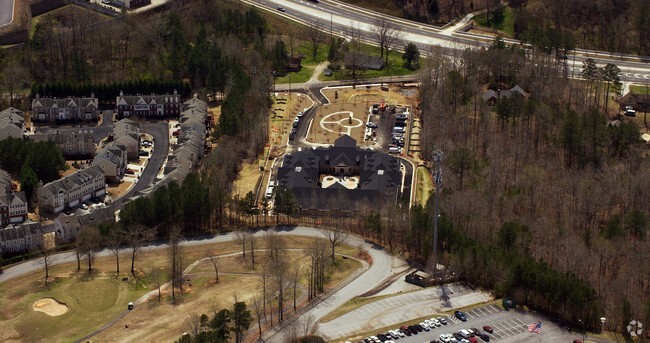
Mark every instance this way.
x=72 y=190
x=12 y=123
x=73 y=144
x=149 y=106
x=20 y=238
x=55 y=110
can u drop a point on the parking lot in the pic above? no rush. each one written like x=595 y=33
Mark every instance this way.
x=388 y=312
x=508 y=326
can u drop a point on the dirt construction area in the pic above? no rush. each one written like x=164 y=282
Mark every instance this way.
x=348 y=111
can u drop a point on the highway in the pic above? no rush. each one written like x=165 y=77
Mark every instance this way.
x=6 y=12
x=339 y=18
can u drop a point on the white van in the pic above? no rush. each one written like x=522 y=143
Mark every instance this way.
x=269 y=192
x=399 y=129
x=464 y=333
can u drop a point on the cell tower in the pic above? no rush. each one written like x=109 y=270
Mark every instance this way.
x=436 y=176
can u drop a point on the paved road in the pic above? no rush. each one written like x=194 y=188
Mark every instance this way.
x=160 y=132
x=158 y=129
x=339 y=18
x=389 y=312
x=6 y=12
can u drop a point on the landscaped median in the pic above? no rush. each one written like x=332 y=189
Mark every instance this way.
x=424 y=186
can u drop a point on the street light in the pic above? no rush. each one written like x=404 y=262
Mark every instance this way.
x=583 y=330
x=602 y=325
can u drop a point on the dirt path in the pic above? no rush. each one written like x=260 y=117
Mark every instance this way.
x=317 y=71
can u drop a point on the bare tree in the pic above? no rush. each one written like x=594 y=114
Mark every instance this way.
x=113 y=240
x=88 y=241
x=280 y=274
x=353 y=51
x=317 y=252
x=249 y=237
x=307 y=324
x=240 y=238
x=264 y=281
x=157 y=278
x=316 y=37
x=292 y=331
x=336 y=236
x=175 y=252
x=213 y=259
x=135 y=237
x=46 y=259
x=193 y=324
x=257 y=307
x=275 y=244
x=387 y=36
x=14 y=75
x=295 y=278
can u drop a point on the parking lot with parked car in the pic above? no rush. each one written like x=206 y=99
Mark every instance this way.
x=488 y=323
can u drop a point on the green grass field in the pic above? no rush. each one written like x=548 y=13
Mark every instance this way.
x=640 y=89
x=502 y=20
x=395 y=67
x=308 y=64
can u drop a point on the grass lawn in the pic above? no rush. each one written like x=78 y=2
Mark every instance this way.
x=640 y=89
x=395 y=67
x=308 y=64
x=424 y=186
x=92 y=301
x=502 y=20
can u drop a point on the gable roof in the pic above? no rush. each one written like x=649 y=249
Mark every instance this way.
x=379 y=176
x=73 y=180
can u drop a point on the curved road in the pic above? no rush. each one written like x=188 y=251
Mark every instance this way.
x=6 y=12
x=384 y=266
x=338 y=18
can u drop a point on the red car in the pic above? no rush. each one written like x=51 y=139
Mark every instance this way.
x=488 y=329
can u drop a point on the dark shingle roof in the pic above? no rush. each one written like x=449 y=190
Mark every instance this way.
x=379 y=176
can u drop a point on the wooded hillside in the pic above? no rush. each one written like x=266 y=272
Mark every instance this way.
x=543 y=177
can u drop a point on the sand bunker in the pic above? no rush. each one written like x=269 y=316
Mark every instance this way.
x=50 y=307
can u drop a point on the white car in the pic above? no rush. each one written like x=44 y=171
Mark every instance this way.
x=435 y=322
x=399 y=333
x=375 y=339
x=394 y=333
x=425 y=326
x=445 y=338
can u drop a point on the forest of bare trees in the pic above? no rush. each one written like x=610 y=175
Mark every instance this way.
x=543 y=176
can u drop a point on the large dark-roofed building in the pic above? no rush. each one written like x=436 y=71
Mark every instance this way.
x=341 y=177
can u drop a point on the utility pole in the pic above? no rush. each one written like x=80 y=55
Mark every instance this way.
x=436 y=175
